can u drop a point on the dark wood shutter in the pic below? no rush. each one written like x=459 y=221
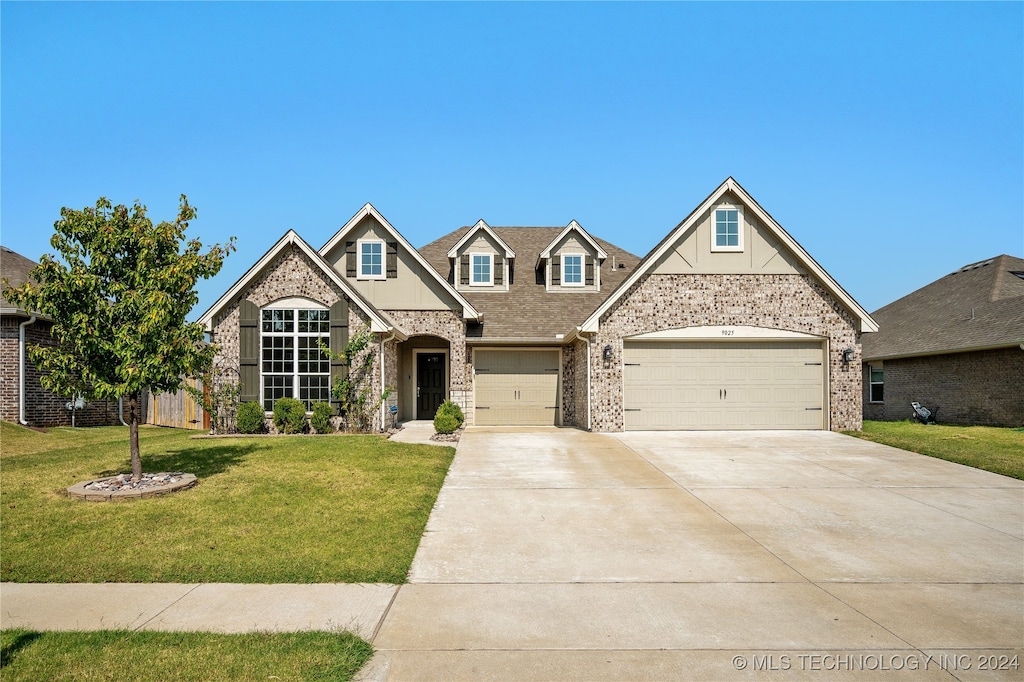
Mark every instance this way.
x=350 y=259
x=464 y=269
x=248 y=351
x=339 y=339
x=556 y=270
x=499 y=270
x=590 y=270
x=392 y=260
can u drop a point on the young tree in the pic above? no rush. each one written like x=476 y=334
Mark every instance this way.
x=118 y=293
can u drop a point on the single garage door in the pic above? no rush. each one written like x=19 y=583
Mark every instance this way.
x=516 y=387
x=731 y=385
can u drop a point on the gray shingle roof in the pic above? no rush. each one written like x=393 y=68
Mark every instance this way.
x=981 y=305
x=526 y=312
x=15 y=268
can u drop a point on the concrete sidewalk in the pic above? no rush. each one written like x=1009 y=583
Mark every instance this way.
x=208 y=607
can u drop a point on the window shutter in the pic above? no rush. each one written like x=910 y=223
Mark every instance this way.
x=392 y=260
x=464 y=270
x=590 y=270
x=499 y=270
x=339 y=339
x=350 y=259
x=556 y=271
x=248 y=351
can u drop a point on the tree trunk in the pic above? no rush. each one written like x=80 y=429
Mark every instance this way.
x=133 y=434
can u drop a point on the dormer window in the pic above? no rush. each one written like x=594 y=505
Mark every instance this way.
x=371 y=259
x=727 y=231
x=482 y=272
x=572 y=270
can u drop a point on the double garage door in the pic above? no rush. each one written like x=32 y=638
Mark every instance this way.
x=516 y=387
x=723 y=385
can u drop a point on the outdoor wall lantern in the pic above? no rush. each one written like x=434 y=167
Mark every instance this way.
x=608 y=352
x=847 y=356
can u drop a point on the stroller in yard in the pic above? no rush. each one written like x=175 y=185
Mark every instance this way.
x=923 y=414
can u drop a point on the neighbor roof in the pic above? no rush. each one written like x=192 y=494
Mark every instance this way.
x=977 y=307
x=527 y=312
x=15 y=268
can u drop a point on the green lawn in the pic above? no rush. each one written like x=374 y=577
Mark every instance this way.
x=984 y=447
x=287 y=509
x=170 y=656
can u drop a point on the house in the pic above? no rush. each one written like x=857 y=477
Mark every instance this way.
x=726 y=324
x=956 y=344
x=22 y=397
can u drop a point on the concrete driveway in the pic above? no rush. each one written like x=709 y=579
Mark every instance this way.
x=554 y=554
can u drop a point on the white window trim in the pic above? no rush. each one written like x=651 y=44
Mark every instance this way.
x=490 y=269
x=583 y=270
x=714 y=229
x=383 y=259
x=295 y=335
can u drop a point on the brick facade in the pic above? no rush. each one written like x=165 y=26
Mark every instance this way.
x=786 y=302
x=574 y=384
x=976 y=388
x=42 y=408
x=447 y=325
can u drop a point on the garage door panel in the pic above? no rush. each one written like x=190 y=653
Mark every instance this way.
x=516 y=387
x=716 y=385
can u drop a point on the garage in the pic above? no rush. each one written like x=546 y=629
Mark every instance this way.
x=516 y=387
x=707 y=385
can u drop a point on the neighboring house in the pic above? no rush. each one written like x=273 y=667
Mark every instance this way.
x=956 y=345
x=727 y=324
x=22 y=398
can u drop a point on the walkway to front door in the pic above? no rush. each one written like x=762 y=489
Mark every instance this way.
x=430 y=388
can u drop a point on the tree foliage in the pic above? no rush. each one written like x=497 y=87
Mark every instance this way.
x=118 y=292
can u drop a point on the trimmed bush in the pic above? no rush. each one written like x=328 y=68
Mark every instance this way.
x=445 y=422
x=321 y=419
x=250 y=418
x=289 y=415
x=448 y=407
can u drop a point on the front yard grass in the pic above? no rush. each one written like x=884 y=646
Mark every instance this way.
x=993 y=449
x=185 y=656
x=285 y=509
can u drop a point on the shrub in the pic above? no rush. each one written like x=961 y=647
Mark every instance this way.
x=289 y=415
x=448 y=407
x=321 y=419
x=445 y=422
x=249 y=418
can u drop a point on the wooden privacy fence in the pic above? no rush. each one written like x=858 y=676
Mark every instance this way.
x=179 y=410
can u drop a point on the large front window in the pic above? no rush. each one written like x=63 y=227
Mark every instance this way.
x=293 y=365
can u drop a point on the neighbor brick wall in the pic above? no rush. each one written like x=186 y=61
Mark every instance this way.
x=787 y=302
x=42 y=408
x=291 y=274
x=872 y=410
x=978 y=388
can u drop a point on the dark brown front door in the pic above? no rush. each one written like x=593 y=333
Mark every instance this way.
x=429 y=384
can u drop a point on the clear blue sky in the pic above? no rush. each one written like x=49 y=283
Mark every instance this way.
x=888 y=139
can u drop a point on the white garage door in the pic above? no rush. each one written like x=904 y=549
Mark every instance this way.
x=714 y=385
x=516 y=387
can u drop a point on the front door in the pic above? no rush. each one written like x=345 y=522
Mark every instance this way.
x=430 y=389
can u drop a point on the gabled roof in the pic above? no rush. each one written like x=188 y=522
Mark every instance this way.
x=481 y=225
x=379 y=322
x=573 y=226
x=977 y=307
x=730 y=185
x=468 y=311
x=15 y=268
x=527 y=313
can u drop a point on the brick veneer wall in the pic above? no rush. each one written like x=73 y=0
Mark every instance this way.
x=787 y=302
x=291 y=274
x=42 y=408
x=574 y=384
x=978 y=388
x=872 y=410
x=447 y=325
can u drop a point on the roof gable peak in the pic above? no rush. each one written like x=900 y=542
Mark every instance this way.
x=573 y=226
x=481 y=225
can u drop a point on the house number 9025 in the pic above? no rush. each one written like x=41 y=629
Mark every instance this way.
x=728 y=332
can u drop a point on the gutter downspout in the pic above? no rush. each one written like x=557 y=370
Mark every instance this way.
x=589 y=401
x=383 y=403
x=21 y=369
x=120 y=411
